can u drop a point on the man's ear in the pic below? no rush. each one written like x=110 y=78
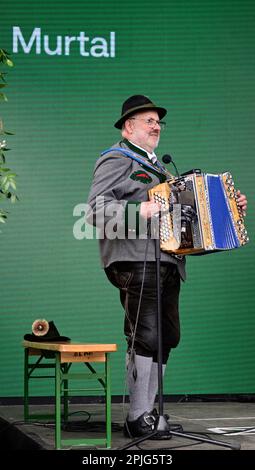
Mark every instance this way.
x=128 y=126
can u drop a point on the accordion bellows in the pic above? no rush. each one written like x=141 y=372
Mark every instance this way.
x=199 y=214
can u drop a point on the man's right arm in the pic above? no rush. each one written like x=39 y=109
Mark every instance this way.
x=107 y=197
x=107 y=193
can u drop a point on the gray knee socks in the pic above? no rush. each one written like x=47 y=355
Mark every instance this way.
x=153 y=384
x=138 y=384
x=142 y=376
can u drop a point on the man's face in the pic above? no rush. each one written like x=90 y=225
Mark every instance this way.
x=144 y=133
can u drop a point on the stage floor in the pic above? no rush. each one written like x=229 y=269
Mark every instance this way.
x=231 y=422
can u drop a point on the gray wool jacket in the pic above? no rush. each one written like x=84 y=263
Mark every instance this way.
x=119 y=186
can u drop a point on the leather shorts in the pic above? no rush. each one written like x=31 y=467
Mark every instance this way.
x=128 y=277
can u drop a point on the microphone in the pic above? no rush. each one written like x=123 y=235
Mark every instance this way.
x=168 y=159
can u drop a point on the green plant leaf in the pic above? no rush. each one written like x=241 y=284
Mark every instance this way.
x=13 y=184
x=5 y=187
x=3 y=97
x=2 y=76
x=5 y=169
x=9 y=63
x=2 y=157
x=8 y=133
x=4 y=180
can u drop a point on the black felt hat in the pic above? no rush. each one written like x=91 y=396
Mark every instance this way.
x=137 y=103
x=43 y=331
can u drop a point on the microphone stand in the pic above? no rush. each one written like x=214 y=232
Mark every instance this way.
x=163 y=427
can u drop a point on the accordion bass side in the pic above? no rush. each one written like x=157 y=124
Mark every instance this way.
x=199 y=214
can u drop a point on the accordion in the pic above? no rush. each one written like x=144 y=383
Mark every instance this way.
x=199 y=214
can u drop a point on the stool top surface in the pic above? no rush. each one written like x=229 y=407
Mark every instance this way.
x=70 y=346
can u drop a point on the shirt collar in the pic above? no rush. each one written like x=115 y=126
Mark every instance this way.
x=152 y=156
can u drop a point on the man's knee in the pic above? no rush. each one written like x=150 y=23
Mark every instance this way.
x=148 y=343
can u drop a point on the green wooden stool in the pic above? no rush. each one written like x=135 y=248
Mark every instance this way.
x=64 y=356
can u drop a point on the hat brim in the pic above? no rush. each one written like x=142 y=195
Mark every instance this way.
x=161 y=112
x=44 y=339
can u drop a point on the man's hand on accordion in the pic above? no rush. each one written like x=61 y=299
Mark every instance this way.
x=241 y=201
x=149 y=208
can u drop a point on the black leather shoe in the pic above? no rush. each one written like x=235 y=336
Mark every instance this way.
x=142 y=426
x=172 y=426
x=145 y=425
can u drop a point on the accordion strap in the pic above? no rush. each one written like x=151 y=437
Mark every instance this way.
x=127 y=153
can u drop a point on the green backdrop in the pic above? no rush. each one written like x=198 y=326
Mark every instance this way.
x=196 y=58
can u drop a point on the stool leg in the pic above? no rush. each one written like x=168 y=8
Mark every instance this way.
x=57 y=402
x=65 y=384
x=26 y=390
x=108 y=401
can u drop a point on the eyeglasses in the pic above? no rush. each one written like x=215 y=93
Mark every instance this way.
x=151 y=122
